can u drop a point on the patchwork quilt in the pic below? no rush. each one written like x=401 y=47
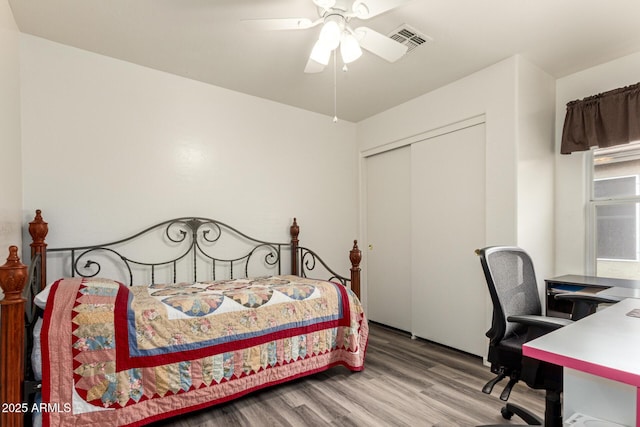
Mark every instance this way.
x=117 y=355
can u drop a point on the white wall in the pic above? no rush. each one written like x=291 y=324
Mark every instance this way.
x=536 y=100
x=10 y=173
x=571 y=186
x=110 y=147
x=93 y=127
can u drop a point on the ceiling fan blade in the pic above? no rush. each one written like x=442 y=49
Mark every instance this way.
x=313 y=67
x=365 y=9
x=281 y=23
x=379 y=44
x=325 y=4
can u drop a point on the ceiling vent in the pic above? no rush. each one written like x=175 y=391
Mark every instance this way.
x=409 y=37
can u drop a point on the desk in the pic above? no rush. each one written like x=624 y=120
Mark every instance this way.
x=612 y=288
x=601 y=359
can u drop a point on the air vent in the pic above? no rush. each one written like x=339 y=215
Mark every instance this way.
x=409 y=37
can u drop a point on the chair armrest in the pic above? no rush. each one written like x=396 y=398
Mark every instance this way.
x=595 y=299
x=584 y=305
x=541 y=322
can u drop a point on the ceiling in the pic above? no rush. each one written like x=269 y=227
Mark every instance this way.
x=206 y=40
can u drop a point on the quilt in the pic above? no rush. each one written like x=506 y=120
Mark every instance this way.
x=125 y=356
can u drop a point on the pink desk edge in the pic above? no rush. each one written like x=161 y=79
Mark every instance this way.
x=590 y=368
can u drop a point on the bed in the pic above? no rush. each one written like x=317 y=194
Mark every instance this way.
x=172 y=334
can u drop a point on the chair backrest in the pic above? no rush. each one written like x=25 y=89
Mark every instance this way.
x=512 y=285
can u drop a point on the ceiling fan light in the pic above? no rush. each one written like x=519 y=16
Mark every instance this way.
x=330 y=34
x=349 y=48
x=320 y=53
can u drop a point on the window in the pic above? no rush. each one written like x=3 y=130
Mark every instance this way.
x=615 y=212
x=616 y=227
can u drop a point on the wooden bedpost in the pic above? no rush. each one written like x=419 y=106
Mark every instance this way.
x=13 y=276
x=38 y=230
x=294 y=230
x=355 y=255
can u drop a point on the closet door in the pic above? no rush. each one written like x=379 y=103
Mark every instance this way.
x=389 y=238
x=447 y=225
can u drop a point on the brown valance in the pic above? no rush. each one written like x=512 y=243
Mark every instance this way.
x=603 y=120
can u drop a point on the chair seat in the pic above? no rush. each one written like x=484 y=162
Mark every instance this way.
x=513 y=343
x=507 y=353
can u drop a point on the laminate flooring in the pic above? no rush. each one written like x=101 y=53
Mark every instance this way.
x=405 y=383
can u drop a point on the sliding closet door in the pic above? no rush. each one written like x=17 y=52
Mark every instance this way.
x=447 y=225
x=389 y=238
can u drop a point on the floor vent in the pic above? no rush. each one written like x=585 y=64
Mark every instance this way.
x=409 y=37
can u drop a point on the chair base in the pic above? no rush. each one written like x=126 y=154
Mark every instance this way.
x=510 y=410
x=552 y=412
x=527 y=416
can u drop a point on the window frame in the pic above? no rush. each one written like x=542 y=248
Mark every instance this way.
x=591 y=208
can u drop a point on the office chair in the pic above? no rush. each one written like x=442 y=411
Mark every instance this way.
x=517 y=318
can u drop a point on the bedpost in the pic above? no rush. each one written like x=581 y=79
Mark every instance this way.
x=13 y=276
x=294 y=230
x=38 y=230
x=355 y=255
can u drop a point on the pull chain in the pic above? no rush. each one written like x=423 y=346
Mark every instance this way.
x=335 y=89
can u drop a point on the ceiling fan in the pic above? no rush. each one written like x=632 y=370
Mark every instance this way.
x=335 y=17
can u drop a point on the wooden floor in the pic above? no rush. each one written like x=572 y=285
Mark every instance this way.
x=405 y=383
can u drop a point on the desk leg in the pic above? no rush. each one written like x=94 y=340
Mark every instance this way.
x=637 y=407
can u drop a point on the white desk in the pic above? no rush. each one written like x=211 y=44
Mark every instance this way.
x=620 y=293
x=601 y=359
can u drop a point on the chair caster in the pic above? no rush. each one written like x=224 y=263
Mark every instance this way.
x=509 y=410
x=506 y=414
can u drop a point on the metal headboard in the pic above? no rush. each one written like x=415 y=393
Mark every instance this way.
x=309 y=260
x=193 y=236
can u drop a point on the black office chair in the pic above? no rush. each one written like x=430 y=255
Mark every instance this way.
x=517 y=318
